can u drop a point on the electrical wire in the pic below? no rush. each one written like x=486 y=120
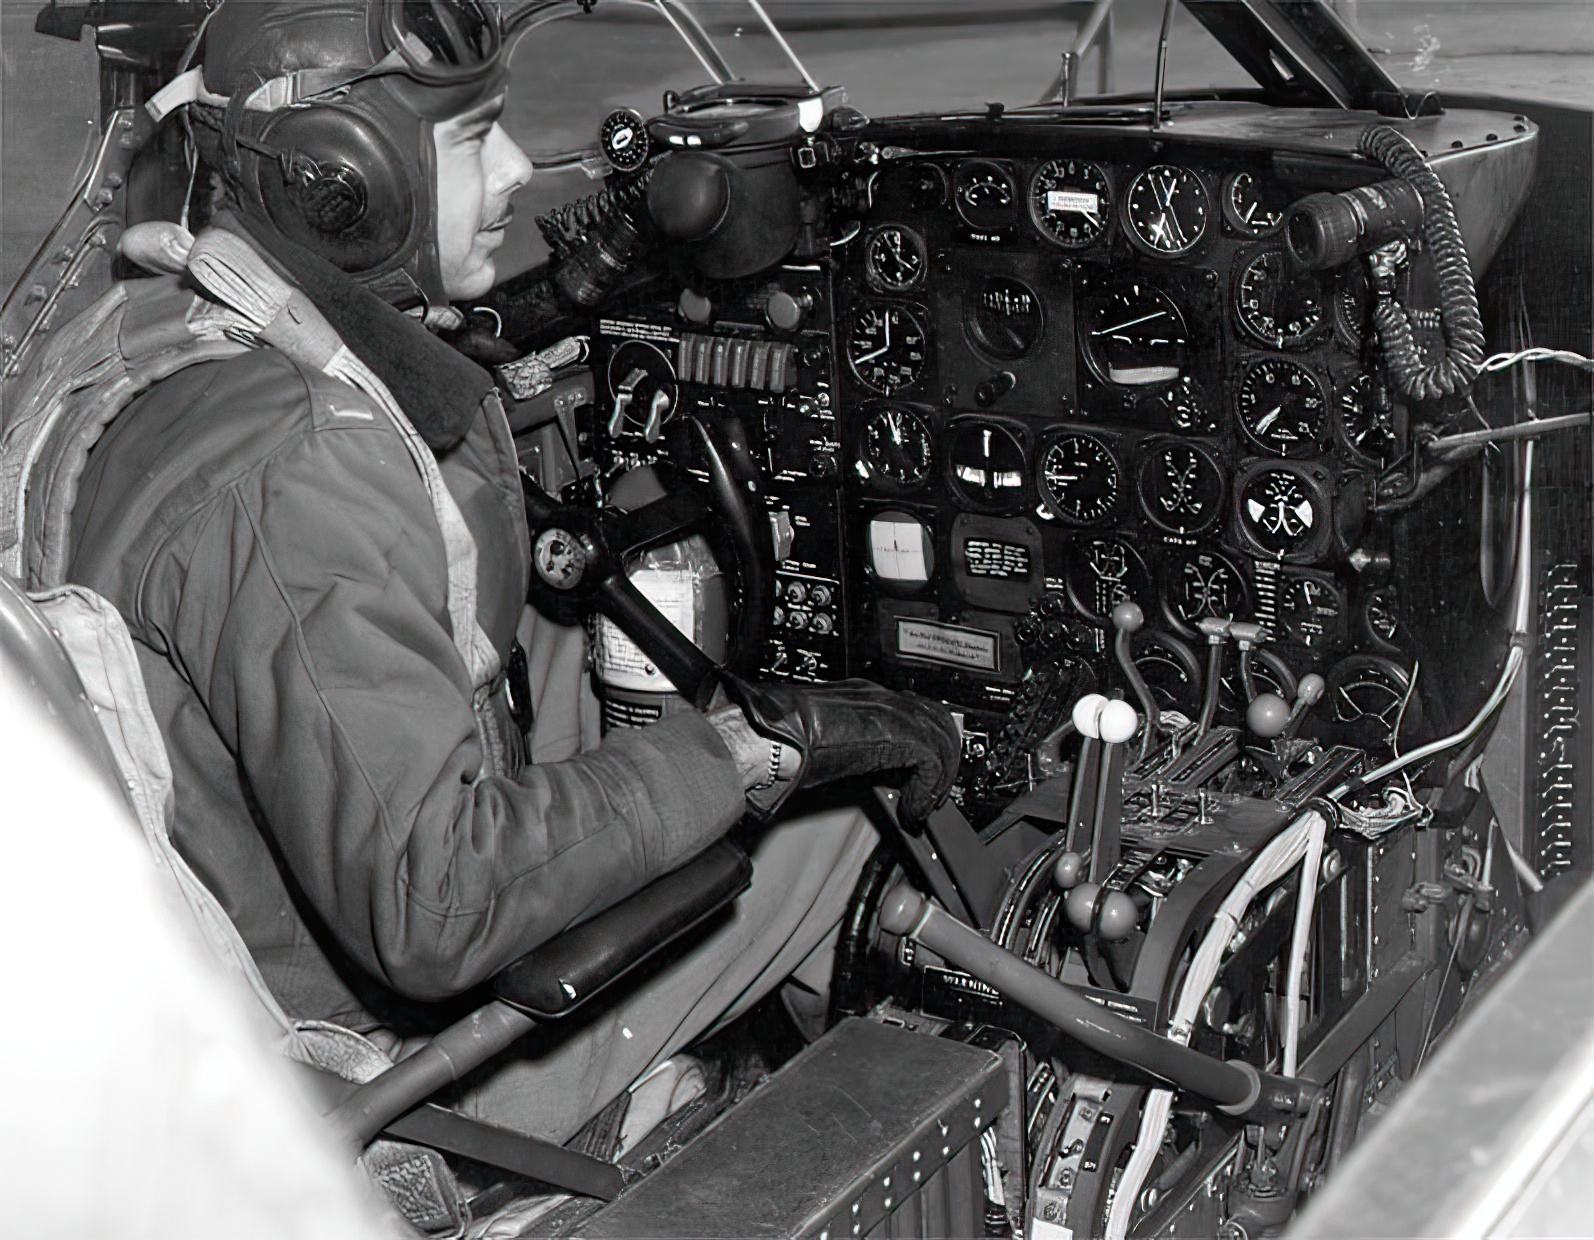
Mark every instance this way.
x=1504 y=361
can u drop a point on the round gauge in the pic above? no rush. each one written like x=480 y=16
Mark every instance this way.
x=1199 y=584
x=1170 y=670
x=986 y=463
x=1004 y=317
x=1353 y=307
x=897 y=446
x=895 y=258
x=623 y=138
x=1311 y=611
x=1181 y=487
x=1281 y=511
x=886 y=347
x=1166 y=210
x=1381 y=617
x=1103 y=572
x=1282 y=408
x=1080 y=481
x=1369 y=698
x=1069 y=200
x=1134 y=335
x=1367 y=419
x=1252 y=206
x=984 y=195
x=1280 y=306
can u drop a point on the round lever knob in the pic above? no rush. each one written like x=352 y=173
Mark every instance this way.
x=1081 y=903
x=1068 y=871
x=1118 y=722
x=1087 y=714
x=1267 y=715
x=1311 y=688
x=1118 y=917
x=1128 y=617
x=785 y=312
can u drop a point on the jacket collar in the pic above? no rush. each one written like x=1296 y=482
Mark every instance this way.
x=440 y=390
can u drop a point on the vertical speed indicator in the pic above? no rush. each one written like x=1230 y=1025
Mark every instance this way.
x=1069 y=202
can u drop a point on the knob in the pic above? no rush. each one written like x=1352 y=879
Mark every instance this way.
x=796 y=592
x=1081 y=903
x=1118 y=917
x=778 y=615
x=1128 y=617
x=1117 y=722
x=822 y=624
x=1310 y=690
x=820 y=596
x=785 y=312
x=694 y=307
x=1267 y=715
x=1087 y=714
x=1070 y=868
x=797 y=620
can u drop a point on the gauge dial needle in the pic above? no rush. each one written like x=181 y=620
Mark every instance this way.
x=1269 y=418
x=1121 y=327
x=869 y=357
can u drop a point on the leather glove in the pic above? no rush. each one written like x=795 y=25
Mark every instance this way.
x=849 y=728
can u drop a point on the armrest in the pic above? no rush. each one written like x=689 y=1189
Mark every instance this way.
x=565 y=972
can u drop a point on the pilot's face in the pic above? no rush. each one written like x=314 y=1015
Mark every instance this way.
x=479 y=167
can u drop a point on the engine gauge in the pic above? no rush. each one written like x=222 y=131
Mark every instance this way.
x=1103 y=572
x=1367 y=419
x=1277 y=305
x=1134 y=335
x=1252 y=206
x=1080 y=480
x=1166 y=211
x=986 y=463
x=895 y=258
x=1380 y=616
x=1181 y=487
x=886 y=347
x=1311 y=610
x=897 y=446
x=1353 y=307
x=984 y=195
x=1369 y=698
x=1282 y=407
x=1282 y=511
x=1004 y=317
x=1170 y=670
x=623 y=138
x=1198 y=584
x=1069 y=201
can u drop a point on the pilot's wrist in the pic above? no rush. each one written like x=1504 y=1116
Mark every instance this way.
x=749 y=750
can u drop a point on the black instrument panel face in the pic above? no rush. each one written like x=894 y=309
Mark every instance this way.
x=1128 y=380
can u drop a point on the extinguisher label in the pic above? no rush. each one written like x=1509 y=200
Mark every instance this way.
x=621 y=664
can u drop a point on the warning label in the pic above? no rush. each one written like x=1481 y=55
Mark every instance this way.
x=946 y=643
x=621 y=663
x=1077 y=200
x=635 y=331
x=984 y=557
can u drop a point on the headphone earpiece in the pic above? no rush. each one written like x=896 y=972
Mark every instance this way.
x=339 y=187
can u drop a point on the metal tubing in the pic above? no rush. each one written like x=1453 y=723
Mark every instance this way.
x=461 y=1048
x=1233 y=1086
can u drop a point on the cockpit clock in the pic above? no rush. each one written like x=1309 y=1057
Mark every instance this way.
x=886 y=347
x=895 y=258
x=1166 y=211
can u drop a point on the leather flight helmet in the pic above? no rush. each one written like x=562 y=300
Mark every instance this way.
x=325 y=111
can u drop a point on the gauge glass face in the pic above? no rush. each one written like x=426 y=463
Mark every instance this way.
x=1166 y=210
x=1279 y=307
x=897 y=446
x=1383 y=620
x=1181 y=487
x=1367 y=419
x=1282 y=408
x=1280 y=511
x=1170 y=672
x=623 y=138
x=1201 y=584
x=1103 y=572
x=1368 y=693
x=986 y=461
x=1352 y=306
x=886 y=347
x=1253 y=207
x=1069 y=201
x=984 y=194
x=1135 y=335
x=1311 y=610
x=1080 y=480
x=1005 y=318
x=895 y=258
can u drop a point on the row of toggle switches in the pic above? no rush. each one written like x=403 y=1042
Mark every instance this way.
x=729 y=361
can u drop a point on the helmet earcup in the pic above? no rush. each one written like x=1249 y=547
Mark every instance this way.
x=340 y=187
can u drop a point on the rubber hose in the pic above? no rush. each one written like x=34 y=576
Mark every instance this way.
x=1412 y=373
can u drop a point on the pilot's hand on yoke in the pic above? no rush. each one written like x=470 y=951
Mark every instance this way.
x=790 y=736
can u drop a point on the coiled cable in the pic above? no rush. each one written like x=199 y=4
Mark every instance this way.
x=1412 y=372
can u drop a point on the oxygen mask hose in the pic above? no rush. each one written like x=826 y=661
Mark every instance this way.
x=1418 y=378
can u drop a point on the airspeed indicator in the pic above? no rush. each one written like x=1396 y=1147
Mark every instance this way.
x=1069 y=201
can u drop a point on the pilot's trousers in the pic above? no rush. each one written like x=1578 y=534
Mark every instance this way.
x=804 y=871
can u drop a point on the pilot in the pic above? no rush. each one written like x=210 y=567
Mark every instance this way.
x=319 y=546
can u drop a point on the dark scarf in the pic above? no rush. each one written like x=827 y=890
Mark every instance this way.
x=439 y=389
